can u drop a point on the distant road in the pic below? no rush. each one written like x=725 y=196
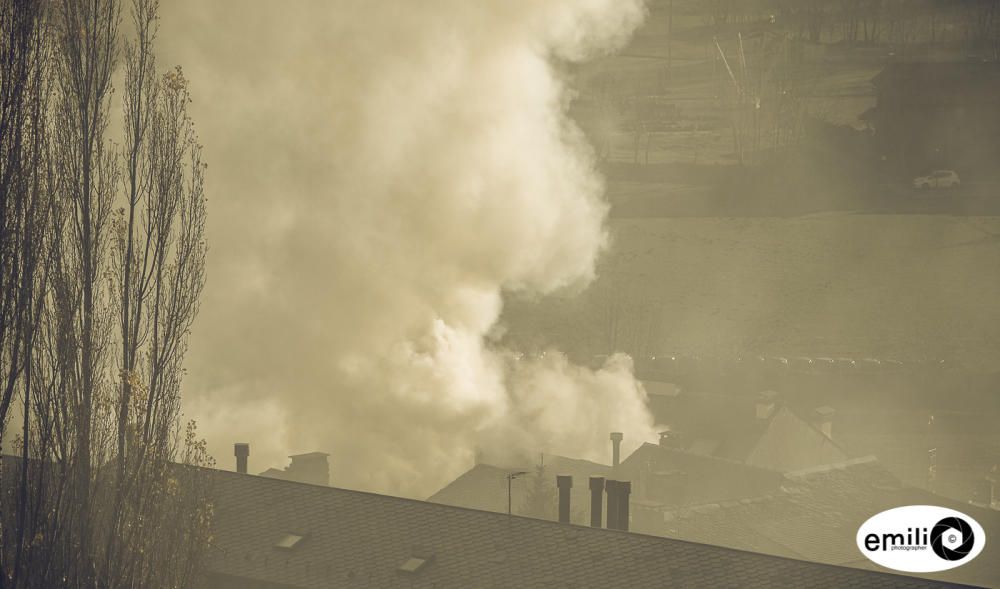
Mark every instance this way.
x=651 y=200
x=972 y=198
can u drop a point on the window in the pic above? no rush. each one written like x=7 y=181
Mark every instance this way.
x=288 y=541
x=413 y=565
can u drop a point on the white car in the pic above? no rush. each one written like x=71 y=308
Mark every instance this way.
x=938 y=179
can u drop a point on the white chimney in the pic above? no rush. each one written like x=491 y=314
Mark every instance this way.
x=616 y=447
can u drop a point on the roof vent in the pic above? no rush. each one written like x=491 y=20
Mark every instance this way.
x=289 y=541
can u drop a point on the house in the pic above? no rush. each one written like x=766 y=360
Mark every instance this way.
x=665 y=478
x=937 y=116
x=275 y=534
x=661 y=476
x=760 y=431
x=311 y=467
x=270 y=533
x=815 y=514
x=485 y=487
x=720 y=449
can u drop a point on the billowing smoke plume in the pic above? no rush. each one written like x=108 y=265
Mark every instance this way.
x=381 y=172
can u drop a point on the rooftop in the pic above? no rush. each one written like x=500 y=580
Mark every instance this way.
x=484 y=486
x=730 y=427
x=707 y=478
x=815 y=514
x=357 y=539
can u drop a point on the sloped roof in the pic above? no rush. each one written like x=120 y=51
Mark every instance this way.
x=815 y=516
x=790 y=443
x=726 y=426
x=707 y=479
x=484 y=486
x=356 y=539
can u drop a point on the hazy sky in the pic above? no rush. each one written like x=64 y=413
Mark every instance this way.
x=379 y=173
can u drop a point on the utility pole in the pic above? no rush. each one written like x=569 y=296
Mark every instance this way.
x=510 y=477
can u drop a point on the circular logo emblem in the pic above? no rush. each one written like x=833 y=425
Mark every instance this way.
x=952 y=538
x=921 y=538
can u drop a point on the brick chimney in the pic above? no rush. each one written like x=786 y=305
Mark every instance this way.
x=242 y=452
x=565 y=483
x=616 y=448
x=823 y=417
x=596 y=501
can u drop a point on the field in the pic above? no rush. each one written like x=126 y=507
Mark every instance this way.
x=809 y=250
x=922 y=290
x=905 y=287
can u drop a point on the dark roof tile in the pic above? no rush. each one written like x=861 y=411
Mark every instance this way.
x=362 y=539
x=816 y=514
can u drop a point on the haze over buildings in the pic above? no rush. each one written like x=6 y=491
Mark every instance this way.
x=508 y=293
x=387 y=178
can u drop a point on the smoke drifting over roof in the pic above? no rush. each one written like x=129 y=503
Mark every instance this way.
x=380 y=175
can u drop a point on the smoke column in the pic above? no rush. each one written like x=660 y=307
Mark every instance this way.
x=380 y=173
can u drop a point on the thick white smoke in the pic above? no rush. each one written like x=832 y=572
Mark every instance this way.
x=380 y=173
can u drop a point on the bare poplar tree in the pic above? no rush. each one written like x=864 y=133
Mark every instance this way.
x=111 y=493
x=159 y=265
x=20 y=145
x=86 y=42
x=23 y=221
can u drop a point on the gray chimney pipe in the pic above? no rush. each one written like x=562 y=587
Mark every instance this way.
x=616 y=447
x=611 y=487
x=624 y=490
x=242 y=451
x=565 y=483
x=596 y=501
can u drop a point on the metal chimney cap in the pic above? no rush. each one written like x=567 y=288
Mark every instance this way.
x=241 y=449
x=617 y=436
